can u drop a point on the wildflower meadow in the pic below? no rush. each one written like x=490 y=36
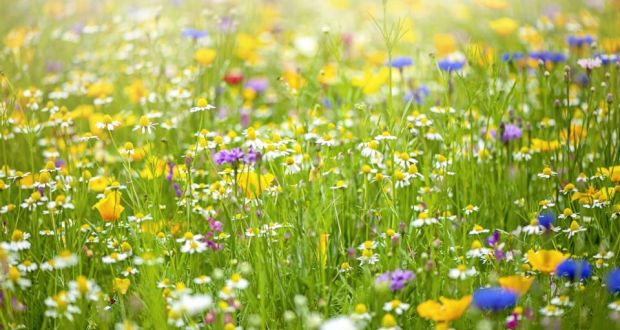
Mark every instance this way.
x=326 y=164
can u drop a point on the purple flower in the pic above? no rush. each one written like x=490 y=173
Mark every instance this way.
x=177 y=190
x=257 y=84
x=511 y=132
x=396 y=279
x=235 y=155
x=493 y=239
x=252 y=156
x=170 y=171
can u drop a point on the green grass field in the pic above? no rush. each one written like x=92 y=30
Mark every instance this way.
x=332 y=164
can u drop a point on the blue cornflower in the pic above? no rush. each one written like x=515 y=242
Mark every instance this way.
x=574 y=269
x=494 y=299
x=613 y=281
x=400 y=62
x=547 y=56
x=194 y=34
x=451 y=63
x=418 y=95
x=546 y=219
x=579 y=41
x=607 y=59
x=510 y=57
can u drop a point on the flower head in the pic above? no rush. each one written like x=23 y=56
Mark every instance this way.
x=545 y=261
x=574 y=269
x=110 y=207
x=494 y=299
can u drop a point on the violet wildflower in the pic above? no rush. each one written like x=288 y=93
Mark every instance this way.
x=511 y=132
x=252 y=156
x=258 y=85
x=170 y=171
x=177 y=190
x=396 y=279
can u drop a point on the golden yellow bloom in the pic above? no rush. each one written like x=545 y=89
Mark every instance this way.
x=446 y=310
x=98 y=184
x=444 y=44
x=205 y=56
x=613 y=173
x=110 y=207
x=254 y=184
x=136 y=91
x=545 y=261
x=516 y=283
x=504 y=26
x=121 y=285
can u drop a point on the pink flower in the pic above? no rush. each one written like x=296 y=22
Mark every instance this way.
x=589 y=63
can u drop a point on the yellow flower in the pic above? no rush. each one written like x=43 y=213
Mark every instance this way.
x=253 y=184
x=323 y=248
x=516 y=283
x=136 y=91
x=446 y=310
x=205 y=56
x=371 y=82
x=503 y=26
x=100 y=89
x=98 y=184
x=493 y=4
x=444 y=43
x=120 y=285
x=110 y=207
x=15 y=38
x=294 y=79
x=613 y=173
x=545 y=261
x=328 y=74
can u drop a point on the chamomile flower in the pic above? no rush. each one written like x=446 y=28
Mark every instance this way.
x=551 y=310
x=547 y=173
x=478 y=229
x=340 y=184
x=562 y=301
x=202 y=279
x=368 y=257
x=470 y=209
x=27 y=266
x=396 y=306
x=424 y=219
x=145 y=125
x=19 y=241
x=574 y=229
x=201 y=105
x=61 y=306
x=64 y=259
x=461 y=272
x=108 y=123
x=237 y=282
x=139 y=217
x=194 y=245
x=114 y=257
x=534 y=228
x=477 y=250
